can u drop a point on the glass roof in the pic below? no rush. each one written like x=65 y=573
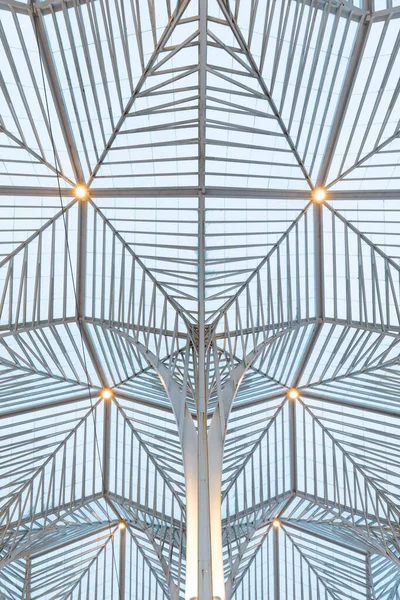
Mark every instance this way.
x=201 y=129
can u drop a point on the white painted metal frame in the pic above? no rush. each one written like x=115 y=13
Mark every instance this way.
x=199 y=282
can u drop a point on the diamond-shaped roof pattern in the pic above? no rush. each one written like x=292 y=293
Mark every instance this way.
x=199 y=282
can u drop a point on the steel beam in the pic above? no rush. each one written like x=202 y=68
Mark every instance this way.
x=35 y=192
x=299 y=526
x=26 y=591
x=193 y=192
x=344 y=99
x=19 y=7
x=381 y=15
x=56 y=5
x=122 y=563
x=205 y=558
x=52 y=79
x=275 y=533
x=202 y=449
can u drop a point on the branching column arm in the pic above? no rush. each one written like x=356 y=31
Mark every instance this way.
x=216 y=440
x=188 y=439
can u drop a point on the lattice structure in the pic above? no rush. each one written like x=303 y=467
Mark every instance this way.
x=247 y=334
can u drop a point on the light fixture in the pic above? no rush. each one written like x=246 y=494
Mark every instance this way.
x=106 y=394
x=81 y=192
x=121 y=525
x=319 y=194
x=276 y=523
x=293 y=394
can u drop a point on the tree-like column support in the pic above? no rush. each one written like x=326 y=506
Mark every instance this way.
x=205 y=581
x=202 y=451
x=203 y=470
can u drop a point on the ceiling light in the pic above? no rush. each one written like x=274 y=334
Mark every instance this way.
x=81 y=192
x=319 y=194
x=293 y=394
x=106 y=394
x=276 y=523
x=121 y=525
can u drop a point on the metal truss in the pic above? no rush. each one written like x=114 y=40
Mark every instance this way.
x=199 y=283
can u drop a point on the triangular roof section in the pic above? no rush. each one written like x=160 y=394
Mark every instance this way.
x=363 y=282
x=47 y=258
x=155 y=141
x=247 y=141
x=32 y=149
x=172 y=128
x=367 y=153
x=299 y=52
x=271 y=297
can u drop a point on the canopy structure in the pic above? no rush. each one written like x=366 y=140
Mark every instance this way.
x=200 y=299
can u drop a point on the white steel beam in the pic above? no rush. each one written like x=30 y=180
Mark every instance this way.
x=222 y=351
x=193 y=192
x=344 y=98
x=55 y=90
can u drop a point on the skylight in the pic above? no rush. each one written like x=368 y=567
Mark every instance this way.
x=199 y=299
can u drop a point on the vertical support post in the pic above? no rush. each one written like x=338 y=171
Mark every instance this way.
x=205 y=591
x=106 y=446
x=87 y=340
x=122 y=563
x=216 y=439
x=337 y=125
x=26 y=592
x=293 y=445
x=80 y=283
x=319 y=264
x=81 y=258
x=189 y=448
x=370 y=585
x=204 y=524
x=275 y=533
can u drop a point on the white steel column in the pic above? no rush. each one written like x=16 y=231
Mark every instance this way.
x=189 y=448
x=204 y=560
x=122 y=563
x=188 y=438
x=275 y=533
x=26 y=592
x=216 y=451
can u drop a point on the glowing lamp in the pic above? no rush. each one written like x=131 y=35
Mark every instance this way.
x=293 y=394
x=319 y=194
x=106 y=394
x=276 y=523
x=81 y=192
